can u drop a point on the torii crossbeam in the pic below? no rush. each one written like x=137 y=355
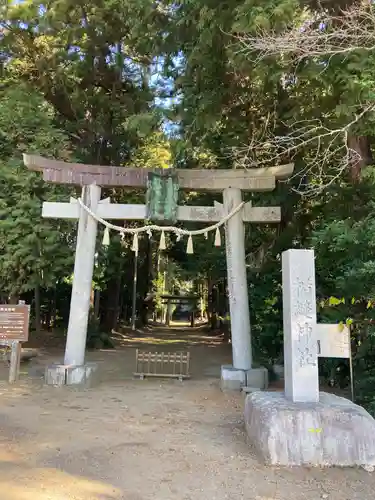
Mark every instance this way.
x=93 y=177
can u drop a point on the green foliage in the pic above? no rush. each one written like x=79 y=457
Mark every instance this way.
x=344 y=242
x=158 y=287
x=154 y=153
x=34 y=252
x=91 y=65
x=359 y=315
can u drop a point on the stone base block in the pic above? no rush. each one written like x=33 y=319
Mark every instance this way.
x=248 y=390
x=333 y=432
x=232 y=379
x=257 y=377
x=59 y=375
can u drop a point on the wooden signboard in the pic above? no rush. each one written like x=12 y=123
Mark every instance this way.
x=14 y=329
x=14 y=322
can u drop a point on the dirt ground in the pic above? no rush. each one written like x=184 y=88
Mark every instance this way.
x=142 y=440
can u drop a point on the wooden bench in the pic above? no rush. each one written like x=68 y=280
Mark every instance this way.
x=162 y=364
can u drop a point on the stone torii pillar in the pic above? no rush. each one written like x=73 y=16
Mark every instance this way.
x=230 y=182
x=82 y=282
x=237 y=282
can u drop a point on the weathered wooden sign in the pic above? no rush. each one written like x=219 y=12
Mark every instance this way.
x=14 y=322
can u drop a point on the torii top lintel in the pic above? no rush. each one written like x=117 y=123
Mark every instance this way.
x=60 y=172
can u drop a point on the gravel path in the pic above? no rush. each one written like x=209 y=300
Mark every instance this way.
x=145 y=440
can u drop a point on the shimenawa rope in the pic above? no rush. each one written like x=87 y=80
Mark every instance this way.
x=153 y=227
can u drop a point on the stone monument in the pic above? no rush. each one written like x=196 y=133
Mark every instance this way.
x=303 y=426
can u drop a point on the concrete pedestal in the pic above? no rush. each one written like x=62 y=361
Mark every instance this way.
x=257 y=378
x=59 y=375
x=332 y=432
x=233 y=379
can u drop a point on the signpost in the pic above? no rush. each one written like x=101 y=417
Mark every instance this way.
x=334 y=342
x=14 y=329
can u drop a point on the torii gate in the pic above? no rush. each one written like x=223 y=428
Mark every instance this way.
x=92 y=178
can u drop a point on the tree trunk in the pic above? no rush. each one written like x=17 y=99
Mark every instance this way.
x=13 y=298
x=48 y=315
x=53 y=310
x=146 y=285
x=209 y=300
x=360 y=155
x=112 y=303
x=107 y=320
x=97 y=304
x=37 y=309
